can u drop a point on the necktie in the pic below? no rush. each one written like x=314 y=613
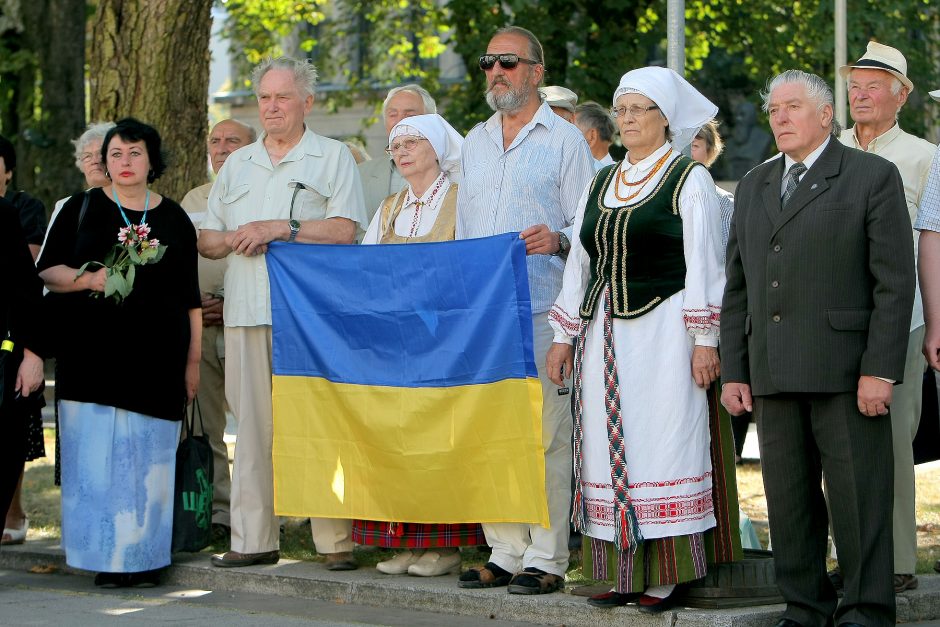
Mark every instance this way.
x=793 y=179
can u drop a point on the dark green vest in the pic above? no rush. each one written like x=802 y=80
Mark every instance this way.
x=636 y=248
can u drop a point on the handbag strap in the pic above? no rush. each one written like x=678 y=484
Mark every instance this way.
x=189 y=418
x=82 y=211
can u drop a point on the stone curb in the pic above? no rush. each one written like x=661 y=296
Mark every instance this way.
x=440 y=594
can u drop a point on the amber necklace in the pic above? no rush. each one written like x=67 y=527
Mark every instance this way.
x=622 y=177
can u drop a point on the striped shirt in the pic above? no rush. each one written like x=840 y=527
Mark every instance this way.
x=928 y=215
x=538 y=180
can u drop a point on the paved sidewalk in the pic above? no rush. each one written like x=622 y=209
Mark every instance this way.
x=294 y=579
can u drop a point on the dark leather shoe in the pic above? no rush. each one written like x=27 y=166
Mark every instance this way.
x=905 y=582
x=655 y=605
x=234 y=559
x=341 y=561
x=613 y=599
x=109 y=580
x=786 y=622
x=835 y=576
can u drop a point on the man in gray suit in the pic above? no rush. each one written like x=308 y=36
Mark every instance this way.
x=380 y=178
x=820 y=287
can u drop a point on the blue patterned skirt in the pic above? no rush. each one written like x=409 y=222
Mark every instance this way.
x=118 y=474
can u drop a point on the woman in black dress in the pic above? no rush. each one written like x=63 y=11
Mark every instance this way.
x=125 y=369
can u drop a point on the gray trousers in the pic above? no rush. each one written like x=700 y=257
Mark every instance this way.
x=802 y=437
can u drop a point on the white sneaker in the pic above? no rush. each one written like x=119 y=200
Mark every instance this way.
x=399 y=564
x=433 y=564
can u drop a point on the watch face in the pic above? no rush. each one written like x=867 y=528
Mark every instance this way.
x=294 y=225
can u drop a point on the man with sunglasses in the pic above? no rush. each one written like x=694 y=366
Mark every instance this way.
x=525 y=170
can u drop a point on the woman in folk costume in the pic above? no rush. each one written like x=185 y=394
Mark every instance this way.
x=638 y=318
x=426 y=150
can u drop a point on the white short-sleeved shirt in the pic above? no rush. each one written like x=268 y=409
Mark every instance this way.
x=316 y=180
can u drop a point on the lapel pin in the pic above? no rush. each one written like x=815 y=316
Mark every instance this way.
x=814 y=186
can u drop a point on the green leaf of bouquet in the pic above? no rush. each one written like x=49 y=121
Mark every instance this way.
x=129 y=278
x=132 y=253
x=116 y=284
x=161 y=250
x=113 y=255
x=85 y=265
x=147 y=254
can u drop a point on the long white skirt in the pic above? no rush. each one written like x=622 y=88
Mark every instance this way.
x=118 y=474
x=665 y=426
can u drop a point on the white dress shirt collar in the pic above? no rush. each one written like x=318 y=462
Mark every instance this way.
x=808 y=161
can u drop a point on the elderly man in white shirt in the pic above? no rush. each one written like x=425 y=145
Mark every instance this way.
x=878 y=87
x=525 y=170
x=290 y=185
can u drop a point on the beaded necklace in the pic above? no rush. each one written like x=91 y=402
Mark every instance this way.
x=622 y=176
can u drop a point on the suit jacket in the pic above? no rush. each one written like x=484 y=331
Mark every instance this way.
x=820 y=293
x=376 y=175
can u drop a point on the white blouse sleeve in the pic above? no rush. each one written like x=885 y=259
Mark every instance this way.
x=701 y=242
x=372 y=233
x=564 y=316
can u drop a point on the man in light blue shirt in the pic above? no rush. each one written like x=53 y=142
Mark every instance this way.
x=525 y=170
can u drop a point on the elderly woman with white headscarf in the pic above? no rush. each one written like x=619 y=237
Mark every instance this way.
x=640 y=302
x=426 y=150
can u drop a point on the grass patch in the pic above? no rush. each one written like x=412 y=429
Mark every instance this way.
x=41 y=499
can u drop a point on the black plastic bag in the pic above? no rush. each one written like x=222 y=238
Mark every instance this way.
x=927 y=441
x=192 y=507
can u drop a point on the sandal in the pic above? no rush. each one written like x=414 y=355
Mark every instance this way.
x=487 y=576
x=16 y=536
x=535 y=581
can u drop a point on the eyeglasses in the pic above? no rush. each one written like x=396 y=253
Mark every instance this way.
x=407 y=144
x=90 y=157
x=635 y=111
x=507 y=61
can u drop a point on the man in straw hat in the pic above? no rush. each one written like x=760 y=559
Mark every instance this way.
x=878 y=87
x=562 y=100
x=928 y=223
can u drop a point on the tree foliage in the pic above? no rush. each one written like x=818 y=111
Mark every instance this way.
x=732 y=46
x=42 y=92
x=360 y=47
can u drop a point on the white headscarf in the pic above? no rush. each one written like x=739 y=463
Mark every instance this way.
x=684 y=107
x=445 y=140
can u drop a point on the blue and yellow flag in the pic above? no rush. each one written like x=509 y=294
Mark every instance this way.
x=405 y=387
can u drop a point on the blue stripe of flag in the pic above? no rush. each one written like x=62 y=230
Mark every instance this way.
x=415 y=315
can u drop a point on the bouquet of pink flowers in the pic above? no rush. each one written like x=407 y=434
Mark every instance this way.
x=133 y=248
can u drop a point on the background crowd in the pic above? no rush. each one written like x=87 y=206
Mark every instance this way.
x=652 y=291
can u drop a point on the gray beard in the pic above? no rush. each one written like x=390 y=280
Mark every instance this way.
x=508 y=102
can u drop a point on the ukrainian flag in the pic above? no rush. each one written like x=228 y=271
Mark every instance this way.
x=404 y=384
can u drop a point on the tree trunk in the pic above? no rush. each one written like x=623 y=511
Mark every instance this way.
x=47 y=107
x=150 y=60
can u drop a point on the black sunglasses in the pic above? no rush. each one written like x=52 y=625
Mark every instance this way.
x=507 y=61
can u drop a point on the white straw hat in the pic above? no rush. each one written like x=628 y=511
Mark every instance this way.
x=881 y=57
